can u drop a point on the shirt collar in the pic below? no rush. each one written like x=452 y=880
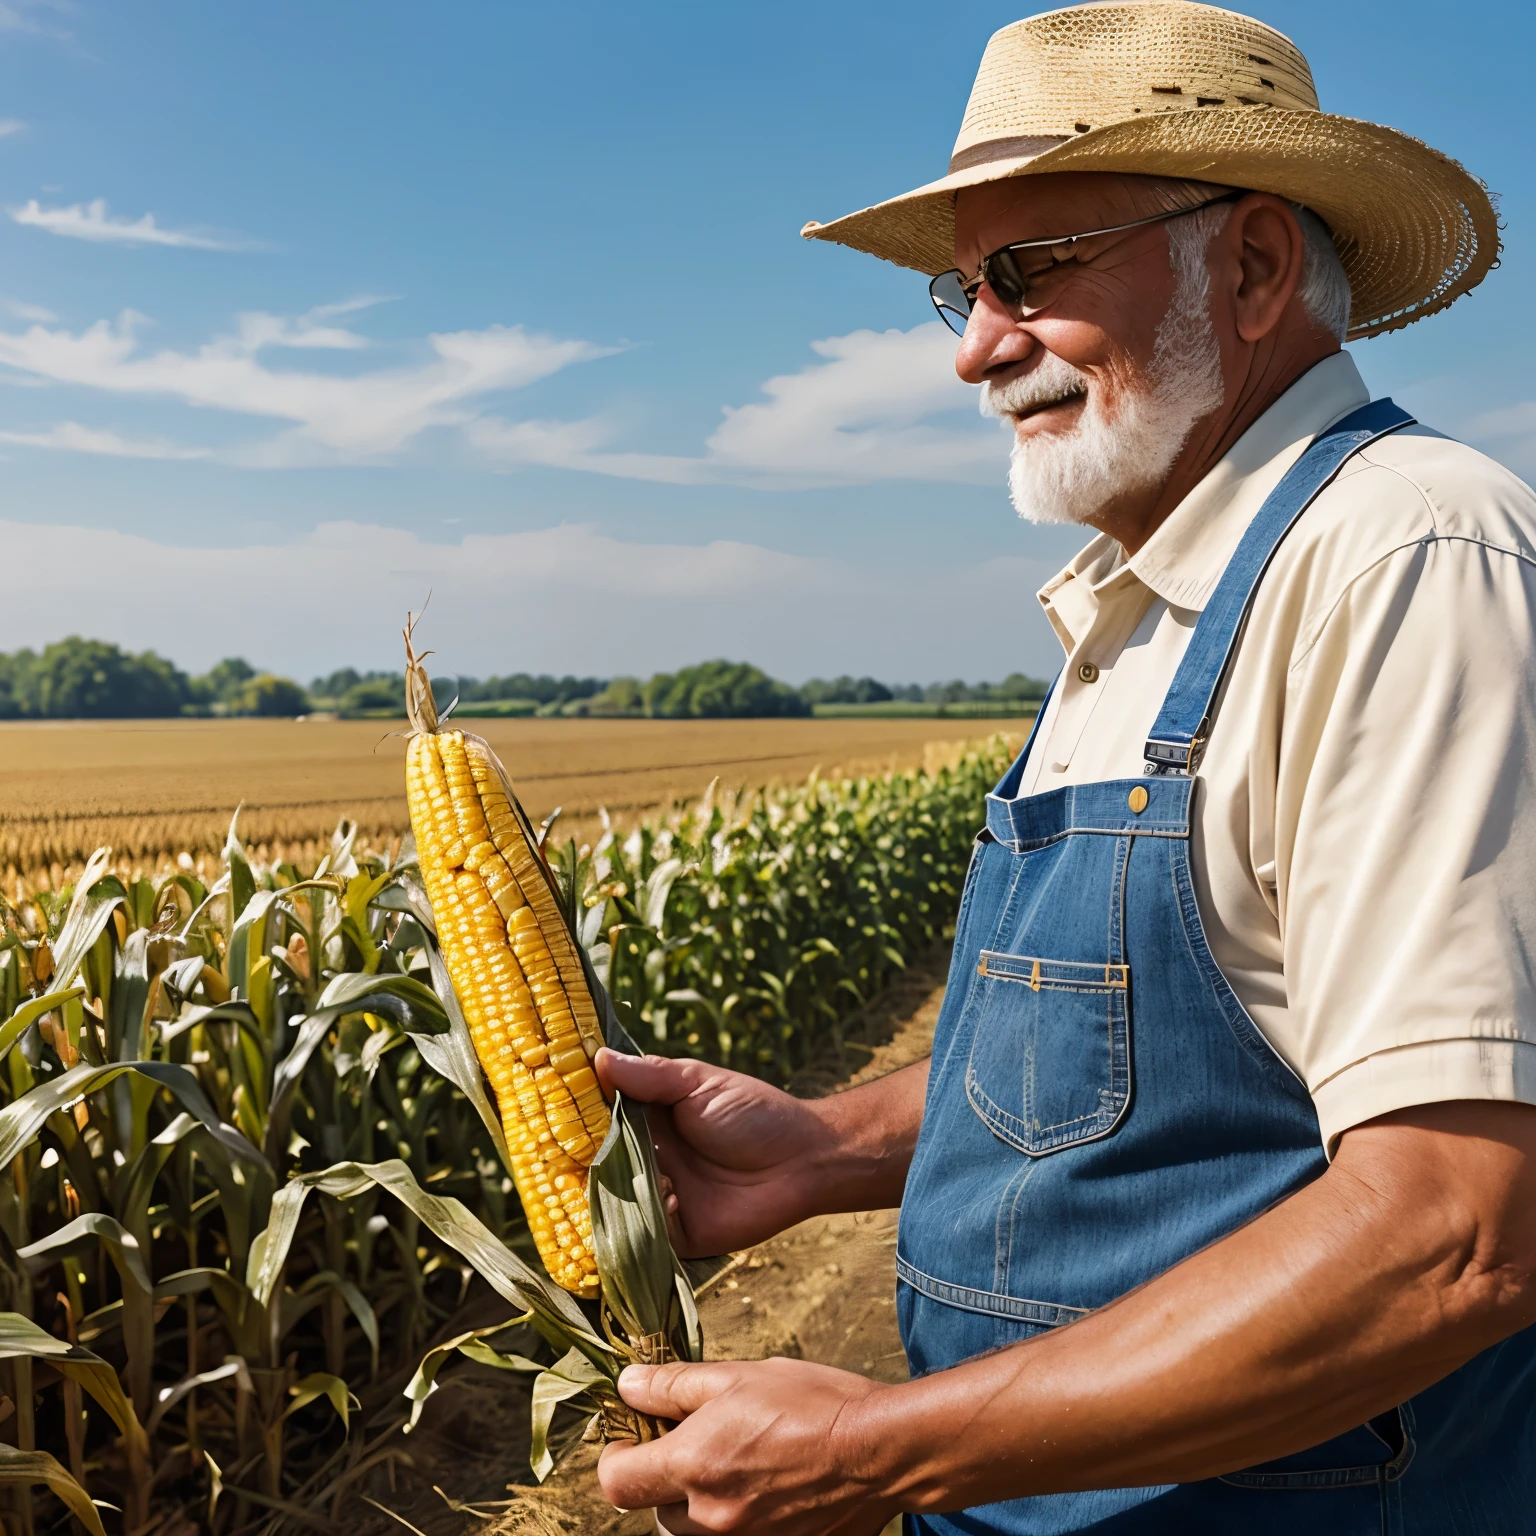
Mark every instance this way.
x=1184 y=558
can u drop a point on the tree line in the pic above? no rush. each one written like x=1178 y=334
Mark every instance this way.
x=85 y=679
x=77 y=679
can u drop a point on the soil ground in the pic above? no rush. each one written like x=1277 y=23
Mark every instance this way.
x=824 y=1291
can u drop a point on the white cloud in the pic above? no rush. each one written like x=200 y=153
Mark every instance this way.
x=871 y=410
x=11 y=125
x=24 y=311
x=91 y=221
x=71 y=437
x=643 y=606
x=337 y=418
x=875 y=406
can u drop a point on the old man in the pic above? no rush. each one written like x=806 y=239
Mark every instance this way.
x=1218 y=1196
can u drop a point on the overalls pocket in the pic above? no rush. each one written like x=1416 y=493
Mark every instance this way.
x=1050 y=1063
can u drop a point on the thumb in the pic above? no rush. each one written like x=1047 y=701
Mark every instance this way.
x=648 y=1079
x=675 y=1390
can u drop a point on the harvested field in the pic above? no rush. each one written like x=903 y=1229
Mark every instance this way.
x=154 y=788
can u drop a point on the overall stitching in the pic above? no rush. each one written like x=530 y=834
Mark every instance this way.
x=1047 y=1314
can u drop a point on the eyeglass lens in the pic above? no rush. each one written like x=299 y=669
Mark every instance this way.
x=949 y=297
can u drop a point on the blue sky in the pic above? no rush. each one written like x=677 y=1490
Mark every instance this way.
x=306 y=309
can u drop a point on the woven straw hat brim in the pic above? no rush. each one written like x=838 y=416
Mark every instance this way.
x=1414 y=229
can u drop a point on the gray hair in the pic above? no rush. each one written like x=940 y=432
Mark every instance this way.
x=1324 y=287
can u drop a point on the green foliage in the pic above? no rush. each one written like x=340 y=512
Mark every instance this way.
x=845 y=690
x=718 y=689
x=378 y=692
x=77 y=679
x=222 y=682
x=747 y=932
x=89 y=679
x=265 y=694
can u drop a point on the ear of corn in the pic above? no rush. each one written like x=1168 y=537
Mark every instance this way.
x=518 y=976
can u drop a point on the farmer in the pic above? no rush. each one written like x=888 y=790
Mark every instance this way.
x=1218 y=1197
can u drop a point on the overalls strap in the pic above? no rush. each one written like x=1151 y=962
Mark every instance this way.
x=1184 y=722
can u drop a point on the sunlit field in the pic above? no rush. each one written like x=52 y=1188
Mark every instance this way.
x=154 y=789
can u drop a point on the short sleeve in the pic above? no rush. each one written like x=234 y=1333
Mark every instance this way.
x=1405 y=835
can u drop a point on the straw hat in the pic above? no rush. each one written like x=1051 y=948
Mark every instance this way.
x=1172 y=88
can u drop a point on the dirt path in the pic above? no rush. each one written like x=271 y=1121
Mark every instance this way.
x=824 y=1291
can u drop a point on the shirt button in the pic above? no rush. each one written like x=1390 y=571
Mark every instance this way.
x=1088 y=672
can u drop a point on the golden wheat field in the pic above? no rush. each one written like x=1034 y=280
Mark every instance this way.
x=152 y=789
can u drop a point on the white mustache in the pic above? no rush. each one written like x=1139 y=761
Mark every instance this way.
x=1049 y=382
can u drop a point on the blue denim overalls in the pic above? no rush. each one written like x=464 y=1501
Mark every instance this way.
x=1101 y=1106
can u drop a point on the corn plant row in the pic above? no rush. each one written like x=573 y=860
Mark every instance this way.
x=250 y=1164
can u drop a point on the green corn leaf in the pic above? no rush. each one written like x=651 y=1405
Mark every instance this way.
x=22 y=1469
x=357 y=1304
x=642 y=1280
x=234 y=1368
x=30 y=1012
x=21 y=1120
x=569 y=1379
x=322 y=1384
x=555 y=1313
x=97 y=896
x=121 y=1245
x=242 y=880
x=20 y=1337
x=423 y=1382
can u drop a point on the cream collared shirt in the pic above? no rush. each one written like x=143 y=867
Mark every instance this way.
x=1365 y=821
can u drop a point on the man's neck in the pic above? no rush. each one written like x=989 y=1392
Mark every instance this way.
x=1136 y=516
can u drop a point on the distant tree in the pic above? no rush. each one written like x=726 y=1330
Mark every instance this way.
x=717 y=689
x=623 y=696
x=338 y=683
x=93 y=680
x=379 y=691
x=845 y=690
x=264 y=694
x=1017 y=686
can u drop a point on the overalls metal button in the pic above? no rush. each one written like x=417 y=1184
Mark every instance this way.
x=1088 y=672
x=1137 y=800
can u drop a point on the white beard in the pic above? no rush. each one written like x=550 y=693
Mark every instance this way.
x=1133 y=424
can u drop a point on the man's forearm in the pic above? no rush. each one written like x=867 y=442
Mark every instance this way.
x=1339 y=1304
x=868 y=1135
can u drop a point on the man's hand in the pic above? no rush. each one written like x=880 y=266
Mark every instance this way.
x=742 y=1160
x=766 y=1446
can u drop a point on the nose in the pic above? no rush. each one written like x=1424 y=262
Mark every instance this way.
x=993 y=342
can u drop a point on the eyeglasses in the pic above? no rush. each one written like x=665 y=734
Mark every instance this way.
x=1010 y=277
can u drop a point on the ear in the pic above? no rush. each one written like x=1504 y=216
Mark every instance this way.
x=1262 y=252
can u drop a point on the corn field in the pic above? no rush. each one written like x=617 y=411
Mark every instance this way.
x=245 y=1166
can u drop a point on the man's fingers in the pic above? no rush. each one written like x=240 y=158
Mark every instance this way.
x=636 y=1476
x=674 y=1391
x=649 y=1079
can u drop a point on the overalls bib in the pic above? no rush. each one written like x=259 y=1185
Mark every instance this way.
x=1101 y=1106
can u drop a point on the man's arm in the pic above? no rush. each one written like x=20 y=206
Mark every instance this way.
x=1415 y=1251
x=744 y=1160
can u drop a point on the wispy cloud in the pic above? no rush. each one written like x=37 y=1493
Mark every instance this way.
x=24 y=311
x=874 y=406
x=25 y=16
x=11 y=125
x=91 y=221
x=71 y=437
x=362 y=416
x=647 y=605
x=879 y=406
